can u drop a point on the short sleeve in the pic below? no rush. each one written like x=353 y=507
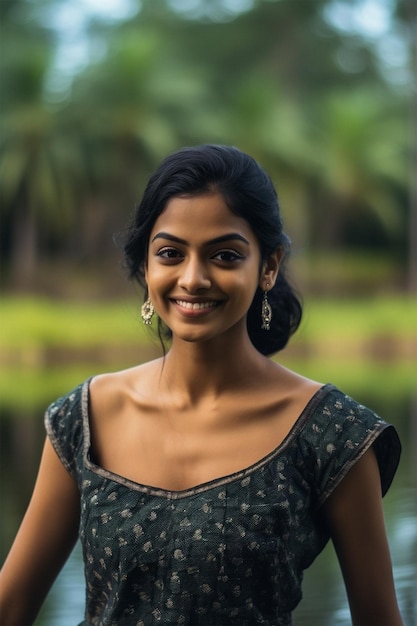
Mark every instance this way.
x=65 y=428
x=343 y=430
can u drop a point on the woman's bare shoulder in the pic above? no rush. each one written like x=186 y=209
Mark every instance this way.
x=111 y=391
x=291 y=381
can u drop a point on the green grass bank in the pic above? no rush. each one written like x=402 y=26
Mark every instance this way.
x=46 y=346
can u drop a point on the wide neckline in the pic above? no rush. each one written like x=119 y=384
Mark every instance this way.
x=169 y=494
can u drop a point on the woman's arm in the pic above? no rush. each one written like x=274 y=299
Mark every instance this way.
x=45 y=539
x=355 y=517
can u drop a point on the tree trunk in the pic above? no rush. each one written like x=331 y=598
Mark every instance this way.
x=24 y=246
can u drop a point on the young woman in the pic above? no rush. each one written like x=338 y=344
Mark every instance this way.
x=203 y=483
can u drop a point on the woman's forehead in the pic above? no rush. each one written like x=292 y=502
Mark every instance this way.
x=199 y=215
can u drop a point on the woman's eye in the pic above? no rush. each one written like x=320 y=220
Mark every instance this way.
x=228 y=256
x=168 y=253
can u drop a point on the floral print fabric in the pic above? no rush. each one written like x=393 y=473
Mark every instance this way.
x=230 y=552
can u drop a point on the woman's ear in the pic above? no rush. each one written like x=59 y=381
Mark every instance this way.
x=270 y=269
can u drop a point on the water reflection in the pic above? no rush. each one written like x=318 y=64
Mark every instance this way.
x=324 y=602
x=65 y=604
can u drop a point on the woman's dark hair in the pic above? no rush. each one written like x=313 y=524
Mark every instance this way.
x=248 y=192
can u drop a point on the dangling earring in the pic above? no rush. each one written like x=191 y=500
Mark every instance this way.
x=147 y=312
x=266 y=312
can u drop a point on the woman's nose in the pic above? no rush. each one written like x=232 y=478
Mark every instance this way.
x=194 y=275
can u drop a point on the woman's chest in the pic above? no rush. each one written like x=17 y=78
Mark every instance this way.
x=249 y=515
x=181 y=451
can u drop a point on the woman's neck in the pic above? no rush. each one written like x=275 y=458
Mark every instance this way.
x=207 y=369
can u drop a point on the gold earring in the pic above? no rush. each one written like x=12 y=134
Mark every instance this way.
x=147 y=312
x=266 y=312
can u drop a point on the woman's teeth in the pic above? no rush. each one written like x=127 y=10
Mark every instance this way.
x=195 y=306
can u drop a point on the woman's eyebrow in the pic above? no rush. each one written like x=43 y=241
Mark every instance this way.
x=221 y=239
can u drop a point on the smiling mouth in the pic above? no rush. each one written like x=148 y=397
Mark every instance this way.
x=196 y=306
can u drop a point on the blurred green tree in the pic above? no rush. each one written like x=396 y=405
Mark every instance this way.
x=37 y=161
x=362 y=168
x=279 y=79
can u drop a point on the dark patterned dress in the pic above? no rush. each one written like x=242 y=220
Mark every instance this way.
x=230 y=552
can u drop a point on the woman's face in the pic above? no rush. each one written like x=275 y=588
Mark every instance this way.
x=203 y=267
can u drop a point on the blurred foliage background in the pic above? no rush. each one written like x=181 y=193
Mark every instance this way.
x=94 y=94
